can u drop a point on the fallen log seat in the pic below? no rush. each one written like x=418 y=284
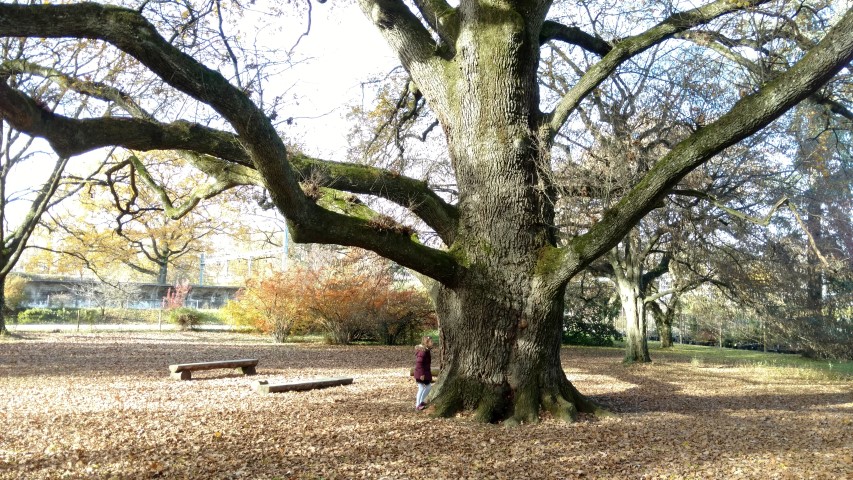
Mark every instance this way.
x=264 y=386
x=434 y=372
x=183 y=371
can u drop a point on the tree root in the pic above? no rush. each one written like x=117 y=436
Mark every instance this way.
x=493 y=404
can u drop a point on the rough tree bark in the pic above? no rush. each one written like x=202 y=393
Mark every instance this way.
x=627 y=263
x=663 y=322
x=499 y=284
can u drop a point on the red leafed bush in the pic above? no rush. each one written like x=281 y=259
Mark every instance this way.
x=346 y=301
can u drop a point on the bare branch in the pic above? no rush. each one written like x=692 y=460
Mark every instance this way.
x=812 y=242
x=98 y=90
x=198 y=194
x=419 y=54
x=746 y=117
x=16 y=241
x=632 y=46
x=731 y=211
x=552 y=30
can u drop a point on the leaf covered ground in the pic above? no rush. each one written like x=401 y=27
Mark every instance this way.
x=103 y=406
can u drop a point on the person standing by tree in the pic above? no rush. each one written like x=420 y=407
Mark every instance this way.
x=423 y=371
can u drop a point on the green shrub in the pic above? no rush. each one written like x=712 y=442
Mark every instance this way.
x=86 y=315
x=186 y=318
x=46 y=315
x=589 y=333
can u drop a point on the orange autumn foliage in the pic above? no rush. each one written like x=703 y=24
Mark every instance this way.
x=272 y=304
x=346 y=302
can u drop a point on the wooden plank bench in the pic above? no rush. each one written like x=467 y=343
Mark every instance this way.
x=183 y=371
x=265 y=387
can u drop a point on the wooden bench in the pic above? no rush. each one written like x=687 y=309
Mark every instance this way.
x=265 y=387
x=183 y=371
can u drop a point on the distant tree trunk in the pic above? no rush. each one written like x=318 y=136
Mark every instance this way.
x=721 y=332
x=665 y=329
x=814 y=282
x=634 y=310
x=162 y=272
x=628 y=272
x=3 y=330
x=663 y=321
x=812 y=157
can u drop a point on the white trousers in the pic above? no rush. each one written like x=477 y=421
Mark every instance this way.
x=423 y=391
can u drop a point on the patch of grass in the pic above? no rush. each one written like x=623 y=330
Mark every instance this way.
x=434 y=334
x=308 y=338
x=789 y=363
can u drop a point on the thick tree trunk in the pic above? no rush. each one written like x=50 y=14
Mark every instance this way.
x=501 y=327
x=502 y=353
x=634 y=310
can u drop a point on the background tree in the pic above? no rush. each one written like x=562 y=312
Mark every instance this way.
x=22 y=207
x=116 y=225
x=105 y=294
x=500 y=282
x=14 y=294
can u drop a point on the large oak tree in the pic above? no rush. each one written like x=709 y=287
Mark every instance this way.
x=499 y=281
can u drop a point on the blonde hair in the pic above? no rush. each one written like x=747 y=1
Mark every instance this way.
x=424 y=340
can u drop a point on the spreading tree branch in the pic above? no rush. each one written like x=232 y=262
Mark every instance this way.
x=746 y=117
x=419 y=54
x=16 y=241
x=70 y=137
x=441 y=17
x=725 y=47
x=207 y=149
x=552 y=30
x=97 y=90
x=632 y=46
x=130 y=32
x=765 y=221
x=198 y=194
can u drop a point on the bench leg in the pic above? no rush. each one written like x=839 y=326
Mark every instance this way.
x=185 y=375
x=248 y=370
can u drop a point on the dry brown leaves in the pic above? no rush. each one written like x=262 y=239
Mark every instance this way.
x=103 y=406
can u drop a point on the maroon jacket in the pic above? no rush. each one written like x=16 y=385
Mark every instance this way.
x=423 y=360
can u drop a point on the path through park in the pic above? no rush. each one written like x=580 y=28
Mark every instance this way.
x=103 y=406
